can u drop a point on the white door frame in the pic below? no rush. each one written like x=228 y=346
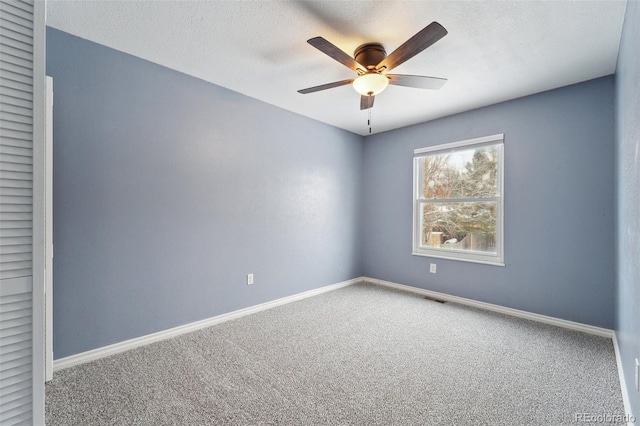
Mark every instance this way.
x=38 y=358
x=48 y=231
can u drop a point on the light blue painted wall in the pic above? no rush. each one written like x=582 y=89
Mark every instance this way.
x=145 y=155
x=559 y=205
x=168 y=190
x=628 y=198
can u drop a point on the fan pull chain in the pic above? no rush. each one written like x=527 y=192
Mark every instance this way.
x=369 y=121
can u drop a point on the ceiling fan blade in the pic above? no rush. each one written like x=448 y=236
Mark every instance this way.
x=417 y=81
x=416 y=44
x=325 y=86
x=366 y=102
x=330 y=49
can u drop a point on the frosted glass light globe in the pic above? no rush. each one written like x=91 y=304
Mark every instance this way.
x=370 y=84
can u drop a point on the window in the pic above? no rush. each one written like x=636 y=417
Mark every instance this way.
x=458 y=200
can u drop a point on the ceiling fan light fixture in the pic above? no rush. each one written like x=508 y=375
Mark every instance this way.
x=370 y=84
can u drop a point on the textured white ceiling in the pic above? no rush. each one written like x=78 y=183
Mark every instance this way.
x=495 y=50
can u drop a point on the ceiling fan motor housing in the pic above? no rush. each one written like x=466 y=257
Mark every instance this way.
x=369 y=55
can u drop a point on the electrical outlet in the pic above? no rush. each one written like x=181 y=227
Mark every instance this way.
x=637 y=374
x=249 y=279
x=432 y=268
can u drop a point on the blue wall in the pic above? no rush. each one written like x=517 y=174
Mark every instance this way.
x=168 y=190
x=559 y=205
x=628 y=198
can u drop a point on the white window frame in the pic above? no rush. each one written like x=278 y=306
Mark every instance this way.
x=453 y=254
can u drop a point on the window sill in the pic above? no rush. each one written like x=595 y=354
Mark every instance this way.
x=461 y=259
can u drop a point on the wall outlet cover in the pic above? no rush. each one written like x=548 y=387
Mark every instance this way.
x=432 y=268
x=249 y=279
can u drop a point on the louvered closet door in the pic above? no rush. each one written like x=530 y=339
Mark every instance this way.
x=16 y=229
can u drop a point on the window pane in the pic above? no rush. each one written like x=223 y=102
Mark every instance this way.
x=459 y=226
x=462 y=174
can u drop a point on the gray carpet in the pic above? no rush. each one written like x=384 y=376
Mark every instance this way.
x=361 y=355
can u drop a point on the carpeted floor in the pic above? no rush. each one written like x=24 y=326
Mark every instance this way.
x=361 y=355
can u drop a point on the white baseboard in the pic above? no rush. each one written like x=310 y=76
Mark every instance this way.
x=590 y=329
x=623 y=382
x=94 y=354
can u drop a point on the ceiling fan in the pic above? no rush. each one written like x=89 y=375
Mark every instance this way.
x=372 y=63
